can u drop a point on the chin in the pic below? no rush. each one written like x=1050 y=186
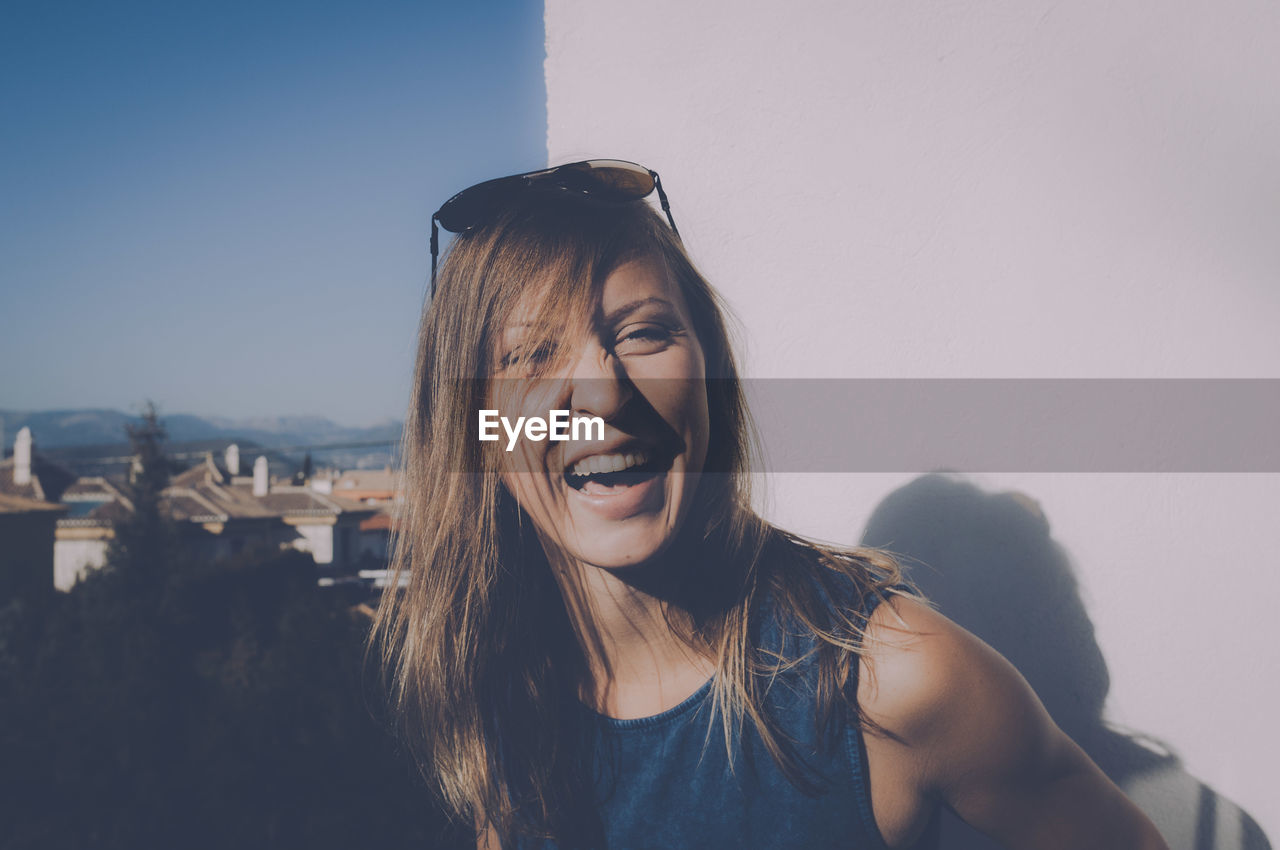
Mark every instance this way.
x=629 y=524
x=623 y=548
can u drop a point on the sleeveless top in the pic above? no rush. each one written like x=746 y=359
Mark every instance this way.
x=666 y=781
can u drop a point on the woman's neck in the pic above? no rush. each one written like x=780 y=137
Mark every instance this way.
x=636 y=642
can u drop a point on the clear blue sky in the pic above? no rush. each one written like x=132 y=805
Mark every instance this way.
x=225 y=207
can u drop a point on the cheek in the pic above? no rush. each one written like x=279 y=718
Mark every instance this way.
x=518 y=400
x=539 y=499
x=683 y=406
x=529 y=474
x=684 y=402
x=674 y=383
x=700 y=432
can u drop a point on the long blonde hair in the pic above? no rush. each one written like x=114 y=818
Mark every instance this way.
x=481 y=661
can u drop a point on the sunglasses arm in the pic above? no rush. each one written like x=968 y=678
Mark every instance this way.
x=435 y=251
x=662 y=199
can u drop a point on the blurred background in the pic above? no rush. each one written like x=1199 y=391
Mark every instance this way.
x=224 y=210
x=221 y=208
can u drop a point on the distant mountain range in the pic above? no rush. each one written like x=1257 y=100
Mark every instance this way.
x=59 y=428
x=76 y=436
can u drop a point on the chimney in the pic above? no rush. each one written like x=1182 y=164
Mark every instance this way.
x=22 y=457
x=260 y=476
x=232 y=459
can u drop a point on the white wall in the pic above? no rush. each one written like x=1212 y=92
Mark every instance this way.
x=995 y=190
x=72 y=559
x=316 y=540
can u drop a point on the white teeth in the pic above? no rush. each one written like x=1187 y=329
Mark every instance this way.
x=600 y=464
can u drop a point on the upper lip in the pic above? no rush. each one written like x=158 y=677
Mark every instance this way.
x=621 y=444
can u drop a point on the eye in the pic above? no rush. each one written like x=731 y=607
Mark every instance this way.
x=645 y=338
x=528 y=358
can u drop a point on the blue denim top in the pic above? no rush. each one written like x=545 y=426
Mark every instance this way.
x=666 y=781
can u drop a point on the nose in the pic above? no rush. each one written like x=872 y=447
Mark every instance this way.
x=598 y=383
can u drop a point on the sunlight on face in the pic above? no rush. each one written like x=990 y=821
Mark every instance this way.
x=619 y=501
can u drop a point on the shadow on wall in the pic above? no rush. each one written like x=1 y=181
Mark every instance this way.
x=989 y=563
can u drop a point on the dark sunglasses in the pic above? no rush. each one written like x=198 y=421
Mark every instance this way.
x=604 y=179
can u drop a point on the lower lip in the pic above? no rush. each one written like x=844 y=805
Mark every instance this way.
x=623 y=501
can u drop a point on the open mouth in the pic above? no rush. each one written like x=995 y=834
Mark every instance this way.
x=603 y=473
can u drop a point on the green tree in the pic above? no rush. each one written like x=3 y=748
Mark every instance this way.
x=146 y=545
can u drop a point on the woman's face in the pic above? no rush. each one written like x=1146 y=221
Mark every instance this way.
x=615 y=497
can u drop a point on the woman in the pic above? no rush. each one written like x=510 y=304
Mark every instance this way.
x=601 y=645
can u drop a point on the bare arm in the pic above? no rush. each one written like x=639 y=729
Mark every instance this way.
x=974 y=737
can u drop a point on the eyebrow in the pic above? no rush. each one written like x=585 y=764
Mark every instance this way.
x=632 y=306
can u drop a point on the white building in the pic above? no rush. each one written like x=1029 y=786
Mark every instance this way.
x=220 y=513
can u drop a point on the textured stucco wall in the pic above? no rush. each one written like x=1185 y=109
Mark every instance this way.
x=996 y=190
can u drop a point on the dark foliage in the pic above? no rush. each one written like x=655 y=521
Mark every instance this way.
x=225 y=709
x=148 y=544
x=165 y=703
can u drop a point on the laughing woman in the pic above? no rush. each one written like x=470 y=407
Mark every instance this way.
x=601 y=645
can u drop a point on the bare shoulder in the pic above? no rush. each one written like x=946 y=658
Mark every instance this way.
x=942 y=692
x=933 y=695
x=959 y=726
x=919 y=667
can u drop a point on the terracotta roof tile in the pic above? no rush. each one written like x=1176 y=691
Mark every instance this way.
x=22 y=505
x=48 y=480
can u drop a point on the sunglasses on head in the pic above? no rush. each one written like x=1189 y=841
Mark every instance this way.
x=603 y=179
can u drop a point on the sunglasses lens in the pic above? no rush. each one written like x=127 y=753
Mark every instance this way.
x=471 y=206
x=607 y=179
